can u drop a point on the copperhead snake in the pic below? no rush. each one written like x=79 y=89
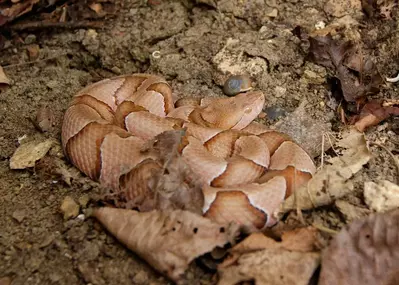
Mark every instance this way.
x=246 y=170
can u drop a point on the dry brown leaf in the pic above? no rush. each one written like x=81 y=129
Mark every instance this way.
x=10 y=12
x=302 y=240
x=358 y=75
x=271 y=267
x=332 y=181
x=3 y=77
x=364 y=253
x=27 y=154
x=375 y=112
x=176 y=186
x=351 y=212
x=382 y=196
x=167 y=240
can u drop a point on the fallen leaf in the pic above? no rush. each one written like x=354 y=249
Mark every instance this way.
x=373 y=113
x=351 y=212
x=271 y=267
x=167 y=240
x=176 y=186
x=382 y=196
x=301 y=239
x=364 y=253
x=333 y=180
x=358 y=75
x=27 y=154
x=10 y=12
x=3 y=77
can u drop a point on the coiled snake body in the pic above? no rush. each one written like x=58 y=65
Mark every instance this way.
x=245 y=170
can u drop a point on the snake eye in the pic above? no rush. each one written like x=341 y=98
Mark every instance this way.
x=236 y=84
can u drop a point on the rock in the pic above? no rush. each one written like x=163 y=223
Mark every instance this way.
x=304 y=129
x=19 y=215
x=382 y=196
x=69 y=208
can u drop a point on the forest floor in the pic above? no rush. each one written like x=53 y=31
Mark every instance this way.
x=195 y=46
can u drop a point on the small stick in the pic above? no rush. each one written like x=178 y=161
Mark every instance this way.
x=37 y=25
x=325 y=229
x=34 y=61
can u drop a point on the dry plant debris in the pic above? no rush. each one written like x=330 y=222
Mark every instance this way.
x=382 y=196
x=9 y=10
x=375 y=112
x=260 y=258
x=301 y=240
x=167 y=240
x=271 y=267
x=364 y=253
x=3 y=77
x=27 y=154
x=333 y=180
x=358 y=75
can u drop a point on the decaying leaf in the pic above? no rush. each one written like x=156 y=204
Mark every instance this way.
x=382 y=196
x=332 y=181
x=14 y=10
x=3 y=77
x=167 y=240
x=364 y=253
x=301 y=239
x=375 y=112
x=271 y=267
x=166 y=183
x=27 y=154
x=176 y=186
x=351 y=212
x=358 y=75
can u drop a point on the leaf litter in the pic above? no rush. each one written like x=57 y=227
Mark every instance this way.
x=333 y=180
x=167 y=240
x=364 y=252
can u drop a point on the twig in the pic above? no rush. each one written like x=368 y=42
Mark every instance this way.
x=298 y=208
x=325 y=229
x=396 y=162
x=34 y=61
x=37 y=25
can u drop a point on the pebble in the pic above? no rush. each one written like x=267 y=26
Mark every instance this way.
x=19 y=215
x=69 y=208
x=30 y=39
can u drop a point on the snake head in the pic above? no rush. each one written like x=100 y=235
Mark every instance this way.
x=235 y=112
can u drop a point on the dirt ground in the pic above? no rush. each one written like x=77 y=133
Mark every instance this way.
x=196 y=45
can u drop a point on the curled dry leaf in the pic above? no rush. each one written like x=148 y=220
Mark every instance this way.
x=3 y=77
x=271 y=267
x=357 y=74
x=332 y=181
x=364 y=253
x=176 y=186
x=167 y=240
x=27 y=154
x=375 y=112
x=302 y=240
x=14 y=10
x=382 y=196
